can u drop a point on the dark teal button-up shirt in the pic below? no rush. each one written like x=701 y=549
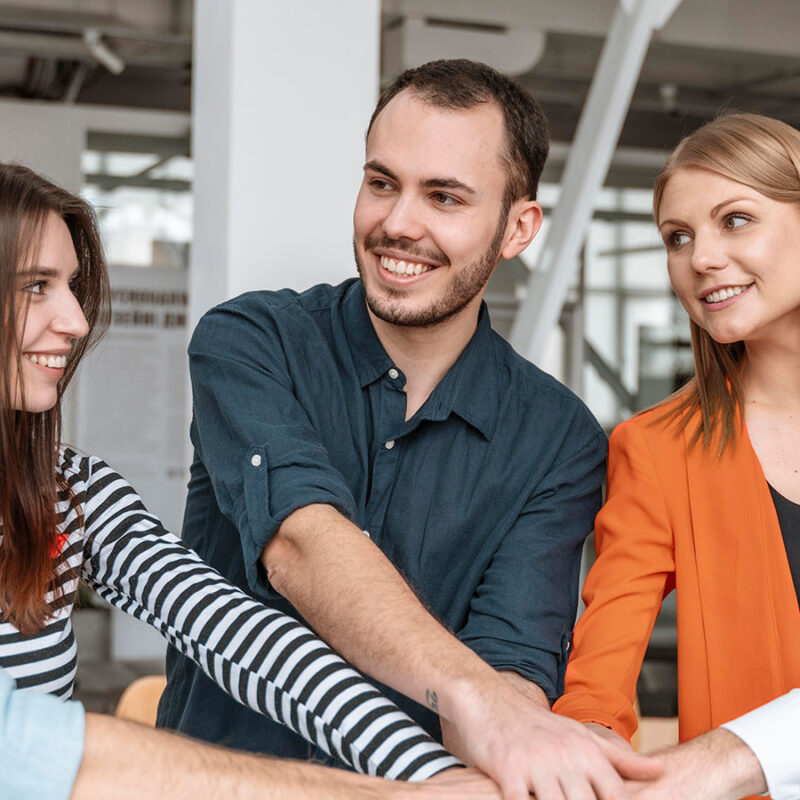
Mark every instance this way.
x=482 y=499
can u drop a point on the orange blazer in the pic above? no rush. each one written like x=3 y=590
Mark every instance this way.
x=684 y=518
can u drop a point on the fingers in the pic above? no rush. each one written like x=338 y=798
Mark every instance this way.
x=513 y=788
x=630 y=765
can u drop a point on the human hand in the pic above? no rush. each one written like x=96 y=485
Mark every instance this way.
x=456 y=783
x=715 y=766
x=528 y=749
x=608 y=735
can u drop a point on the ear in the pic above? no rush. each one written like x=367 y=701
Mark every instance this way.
x=524 y=221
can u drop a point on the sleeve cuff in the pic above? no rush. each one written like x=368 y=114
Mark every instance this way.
x=265 y=506
x=772 y=732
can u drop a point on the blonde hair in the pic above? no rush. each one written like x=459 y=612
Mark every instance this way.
x=761 y=153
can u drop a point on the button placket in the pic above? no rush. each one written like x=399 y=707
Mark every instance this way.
x=389 y=423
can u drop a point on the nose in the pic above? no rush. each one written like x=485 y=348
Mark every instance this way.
x=403 y=220
x=69 y=318
x=707 y=253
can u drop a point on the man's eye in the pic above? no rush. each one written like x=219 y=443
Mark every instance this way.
x=380 y=185
x=444 y=199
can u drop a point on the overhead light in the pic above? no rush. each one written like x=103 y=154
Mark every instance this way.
x=102 y=52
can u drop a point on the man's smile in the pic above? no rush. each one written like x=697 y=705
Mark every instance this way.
x=399 y=267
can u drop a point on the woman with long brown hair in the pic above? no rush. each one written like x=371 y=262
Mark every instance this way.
x=704 y=489
x=65 y=515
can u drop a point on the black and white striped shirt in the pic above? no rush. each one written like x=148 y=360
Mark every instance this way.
x=261 y=657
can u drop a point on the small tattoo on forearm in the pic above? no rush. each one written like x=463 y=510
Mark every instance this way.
x=432 y=700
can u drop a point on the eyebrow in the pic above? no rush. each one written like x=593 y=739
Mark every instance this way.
x=45 y=272
x=430 y=183
x=713 y=213
x=38 y=272
x=715 y=210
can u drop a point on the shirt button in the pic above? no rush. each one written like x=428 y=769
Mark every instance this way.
x=389 y=445
x=256 y=460
x=393 y=373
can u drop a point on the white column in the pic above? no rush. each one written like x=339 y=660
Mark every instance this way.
x=283 y=92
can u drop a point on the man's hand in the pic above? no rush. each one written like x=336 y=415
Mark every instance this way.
x=610 y=736
x=378 y=625
x=715 y=766
x=527 y=748
x=470 y=784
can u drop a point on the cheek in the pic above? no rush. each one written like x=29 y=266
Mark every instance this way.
x=678 y=278
x=366 y=214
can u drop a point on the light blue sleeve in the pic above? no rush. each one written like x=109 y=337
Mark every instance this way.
x=41 y=743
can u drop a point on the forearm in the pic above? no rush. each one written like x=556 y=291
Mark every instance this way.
x=136 y=761
x=714 y=766
x=357 y=601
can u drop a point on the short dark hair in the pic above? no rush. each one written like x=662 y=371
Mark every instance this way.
x=462 y=84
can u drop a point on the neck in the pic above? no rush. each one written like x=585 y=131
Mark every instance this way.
x=771 y=373
x=426 y=354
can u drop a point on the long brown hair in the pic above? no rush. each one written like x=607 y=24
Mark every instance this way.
x=761 y=153
x=29 y=441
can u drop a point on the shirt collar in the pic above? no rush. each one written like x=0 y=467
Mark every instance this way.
x=469 y=388
x=370 y=359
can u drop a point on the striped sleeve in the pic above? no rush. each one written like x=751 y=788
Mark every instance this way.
x=261 y=657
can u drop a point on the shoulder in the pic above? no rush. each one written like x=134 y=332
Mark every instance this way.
x=73 y=464
x=82 y=470
x=265 y=315
x=656 y=425
x=280 y=304
x=540 y=397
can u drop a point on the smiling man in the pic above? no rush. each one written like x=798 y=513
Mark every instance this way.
x=374 y=458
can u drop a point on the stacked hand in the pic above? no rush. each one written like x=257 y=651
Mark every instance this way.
x=714 y=766
x=528 y=749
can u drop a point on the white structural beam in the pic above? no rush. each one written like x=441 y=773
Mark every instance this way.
x=586 y=167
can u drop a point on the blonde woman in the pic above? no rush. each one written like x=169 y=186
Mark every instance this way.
x=704 y=489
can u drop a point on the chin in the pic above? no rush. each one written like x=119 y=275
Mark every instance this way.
x=39 y=405
x=726 y=337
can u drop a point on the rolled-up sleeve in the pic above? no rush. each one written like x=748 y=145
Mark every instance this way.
x=522 y=614
x=41 y=743
x=262 y=454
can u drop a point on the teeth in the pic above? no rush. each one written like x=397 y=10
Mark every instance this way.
x=404 y=267
x=723 y=294
x=54 y=361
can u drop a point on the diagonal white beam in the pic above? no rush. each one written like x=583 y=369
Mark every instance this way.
x=586 y=167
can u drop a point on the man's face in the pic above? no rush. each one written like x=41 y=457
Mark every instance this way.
x=427 y=224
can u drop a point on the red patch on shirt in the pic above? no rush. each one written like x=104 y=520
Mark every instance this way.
x=58 y=544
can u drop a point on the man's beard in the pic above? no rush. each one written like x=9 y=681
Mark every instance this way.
x=463 y=287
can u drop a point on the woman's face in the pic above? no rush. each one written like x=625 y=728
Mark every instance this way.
x=52 y=322
x=733 y=257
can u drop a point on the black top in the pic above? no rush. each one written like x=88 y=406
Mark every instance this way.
x=789 y=520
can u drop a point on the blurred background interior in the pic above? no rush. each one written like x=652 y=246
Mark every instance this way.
x=221 y=144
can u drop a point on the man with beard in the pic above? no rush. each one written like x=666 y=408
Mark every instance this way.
x=375 y=455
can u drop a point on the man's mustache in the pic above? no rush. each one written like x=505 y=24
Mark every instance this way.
x=407 y=246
